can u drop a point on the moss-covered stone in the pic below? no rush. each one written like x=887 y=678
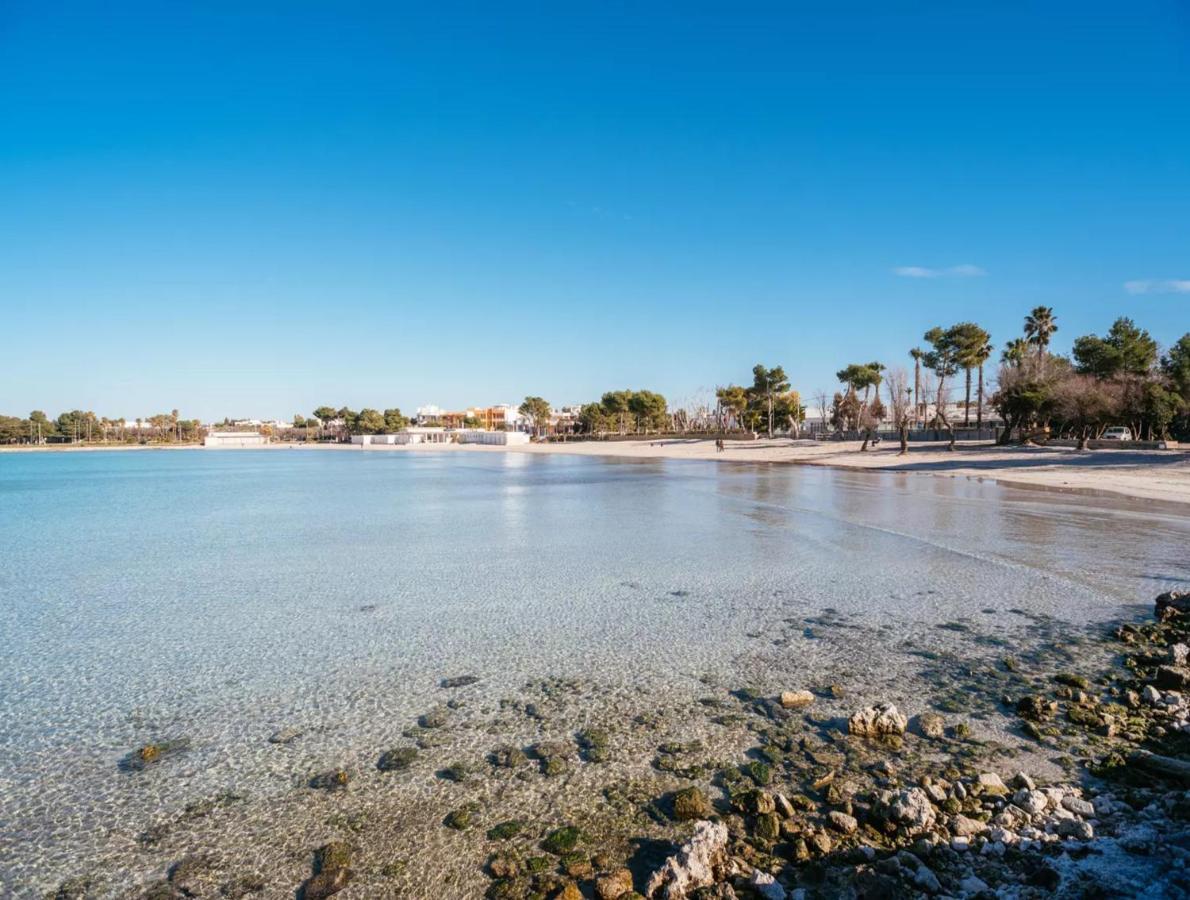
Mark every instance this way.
x=562 y=840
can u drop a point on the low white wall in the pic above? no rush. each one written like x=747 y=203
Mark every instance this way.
x=231 y=440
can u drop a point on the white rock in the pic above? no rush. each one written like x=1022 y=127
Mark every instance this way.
x=936 y=792
x=1151 y=695
x=1076 y=828
x=1078 y=806
x=991 y=783
x=927 y=880
x=1178 y=654
x=796 y=699
x=972 y=885
x=695 y=865
x=766 y=885
x=965 y=827
x=878 y=720
x=843 y=822
x=1031 y=801
x=960 y=844
x=1021 y=780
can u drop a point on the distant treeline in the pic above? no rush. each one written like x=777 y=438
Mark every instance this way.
x=82 y=425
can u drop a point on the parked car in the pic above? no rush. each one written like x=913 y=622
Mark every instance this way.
x=1116 y=433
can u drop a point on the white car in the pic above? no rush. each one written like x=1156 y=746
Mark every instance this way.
x=1116 y=433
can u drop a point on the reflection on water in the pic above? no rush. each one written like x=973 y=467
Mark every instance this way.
x=218 y=594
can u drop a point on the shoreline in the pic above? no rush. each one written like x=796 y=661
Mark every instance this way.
x=1157 y=476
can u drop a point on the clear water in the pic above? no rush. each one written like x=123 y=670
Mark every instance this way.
x=221 y=595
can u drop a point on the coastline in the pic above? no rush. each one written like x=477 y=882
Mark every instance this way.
x=1149 y=475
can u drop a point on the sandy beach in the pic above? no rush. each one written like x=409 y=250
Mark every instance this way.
x=1162 y=475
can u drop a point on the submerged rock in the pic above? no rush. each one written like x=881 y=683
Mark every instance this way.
x=331 y=872
x=931 y=725
x=691 y=803
x=1036 y=708
x=614 y=885
x=149 y=754
x=285 y=735
x=333 y=780
x=909 y=809
x=459 y=681
x=880 y=720
x=700 y=862
x=435 y=718
x=397 y=759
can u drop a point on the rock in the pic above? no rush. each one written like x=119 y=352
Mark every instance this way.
x=796 y=699
x=562 y=840
x=782 y=806
x=435 y=718
x=972 y=885
x=460 y=819
x=931 y=725
x=505 y=830
x=1071 y=680
x=192 y=875
x=927 y=880
x=1036 y=708
x=614 y=885
x=965 y=827
x=990 y=783
x=331 y=872
x=1151 y=695
x=821 y=843
x=1172 y=604
x=909 y=809
x=701 y=862
x=397 y=759
x=509 y=757
x=243 y=885
x=150 y=754
x=768 y=826
x=765 y=886
x=1173 y=678
x=1179 y=654
x=285 y=735
x=878 y=721
x=570 y=891
x=1021 y=780
x=843 y=822
x=459 y=681
x=1032 y=802
x=691 y=803
x=1076 y=828
x=1078 y=806
x=334 y=780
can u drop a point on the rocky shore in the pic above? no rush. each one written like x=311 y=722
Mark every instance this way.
x=777 y=798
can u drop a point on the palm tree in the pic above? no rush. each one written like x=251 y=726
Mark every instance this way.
x=982 y=357
x=1014 y=352
x=917 y=353
x=1040 y=326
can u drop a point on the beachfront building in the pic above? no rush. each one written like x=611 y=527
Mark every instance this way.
x=436 y=435
x=500 y=417
x=234 y=440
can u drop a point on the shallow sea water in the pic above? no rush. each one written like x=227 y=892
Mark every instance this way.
x=222 y=595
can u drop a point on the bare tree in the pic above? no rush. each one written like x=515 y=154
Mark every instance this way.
x=900 y=403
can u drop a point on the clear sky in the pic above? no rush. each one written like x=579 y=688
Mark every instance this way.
x=241 y=208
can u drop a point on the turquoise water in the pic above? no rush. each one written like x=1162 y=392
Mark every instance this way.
x=221 y=595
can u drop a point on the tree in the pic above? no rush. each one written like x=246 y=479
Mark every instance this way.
x=985 y=353
x=537 y=411
x=594 y=419
x=369 y=421
x=299 y=420
x=324 y=414
x=349 y=418
x=917 y=353
x=616 y=404
x=1040 y=326
x=943 y=359
x=1025 y=397
x=968 y=341
x=1176 y=367
x=394 y=421
x=766 y=385
x=734 y=399
x=1085 y=404
x=899 y=398
x=1014 y=352
x=1125 y=350
x=649 y=410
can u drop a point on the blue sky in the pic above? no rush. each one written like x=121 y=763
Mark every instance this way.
x=255 y=208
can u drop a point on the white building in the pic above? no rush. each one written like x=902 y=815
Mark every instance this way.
x=233 y=440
